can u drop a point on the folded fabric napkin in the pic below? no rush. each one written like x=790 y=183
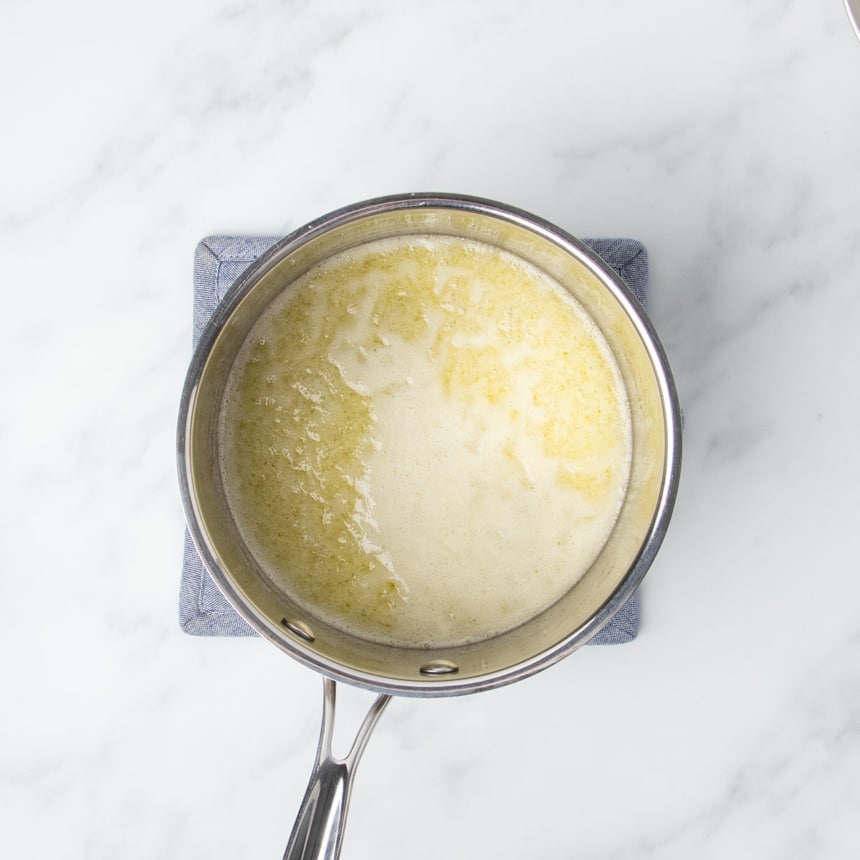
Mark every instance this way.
x=218 y=261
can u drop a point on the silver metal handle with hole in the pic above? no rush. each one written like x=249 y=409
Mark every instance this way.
x=318 y=831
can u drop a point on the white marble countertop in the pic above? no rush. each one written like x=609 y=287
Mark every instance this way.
x=723 y=135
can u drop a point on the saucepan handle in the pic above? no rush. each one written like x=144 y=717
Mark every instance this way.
x=318 y=831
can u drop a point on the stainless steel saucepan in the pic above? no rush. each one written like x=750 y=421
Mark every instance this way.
x=426 y=671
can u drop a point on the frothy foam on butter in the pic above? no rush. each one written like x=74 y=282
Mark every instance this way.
x=425 y=440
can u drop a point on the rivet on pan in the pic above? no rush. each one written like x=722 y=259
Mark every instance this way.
x=439 y=667
x=299 y=628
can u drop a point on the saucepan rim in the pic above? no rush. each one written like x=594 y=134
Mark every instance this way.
x=443 y=684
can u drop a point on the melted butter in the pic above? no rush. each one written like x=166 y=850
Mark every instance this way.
x=426 y=441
